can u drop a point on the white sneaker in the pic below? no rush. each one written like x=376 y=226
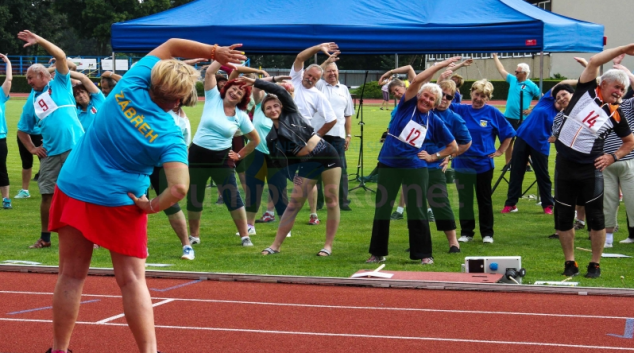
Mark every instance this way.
x=288 y=235
x=465 y=239
x=487 y=239
x=627 y=241
x=194 y=240
x=607 y=245
x=188 y=253
x=23 y=194
x=250 y=231
x=246 y=241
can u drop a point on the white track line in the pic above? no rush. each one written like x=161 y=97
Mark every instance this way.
x=476 y=312
x=112 y=318
x=353 y=335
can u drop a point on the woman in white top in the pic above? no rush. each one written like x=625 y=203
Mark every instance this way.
x=210 y=154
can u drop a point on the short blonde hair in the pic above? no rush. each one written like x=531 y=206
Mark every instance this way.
x=435 y=89
x=459 y=78
x=173 y=79
x=448 y=84
x=483 y=86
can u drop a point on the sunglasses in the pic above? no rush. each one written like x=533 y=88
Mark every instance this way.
x=447 y=96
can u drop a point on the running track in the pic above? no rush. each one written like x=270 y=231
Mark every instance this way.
x=216 y=316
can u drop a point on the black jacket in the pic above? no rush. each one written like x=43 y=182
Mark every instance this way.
x=293 y=131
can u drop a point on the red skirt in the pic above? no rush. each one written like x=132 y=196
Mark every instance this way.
x=121 y=229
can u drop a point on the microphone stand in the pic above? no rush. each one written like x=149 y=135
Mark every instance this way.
x=359 y=173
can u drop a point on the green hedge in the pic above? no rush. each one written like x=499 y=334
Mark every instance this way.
x=500 y=89
x=20 y=85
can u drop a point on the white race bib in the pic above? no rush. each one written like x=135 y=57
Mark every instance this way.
x=44 y=105
x=591 y=117
x=413 y=134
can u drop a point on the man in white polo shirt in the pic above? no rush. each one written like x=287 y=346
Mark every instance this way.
x=339 y=136
x=310 y=101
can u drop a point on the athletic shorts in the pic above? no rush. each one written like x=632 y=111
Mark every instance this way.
x=49 y=171
x=120 y=229
x=322 y=158
x=514 y=122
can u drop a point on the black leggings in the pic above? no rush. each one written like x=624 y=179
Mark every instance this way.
x=205 y=164
x=159 y=184
x=4 y=152
x=25 y=155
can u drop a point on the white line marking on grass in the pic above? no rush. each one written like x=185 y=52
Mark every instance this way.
x=348 y=335
x=476 y=312
x=112 y=318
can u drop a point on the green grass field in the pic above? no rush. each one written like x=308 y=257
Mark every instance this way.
x=519 y=234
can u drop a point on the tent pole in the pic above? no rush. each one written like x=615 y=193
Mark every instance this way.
x=114 y=64
x=396 y=61
x=316 y=59
x=541 y=71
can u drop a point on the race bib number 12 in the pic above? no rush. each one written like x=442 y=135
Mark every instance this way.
x=413 y=134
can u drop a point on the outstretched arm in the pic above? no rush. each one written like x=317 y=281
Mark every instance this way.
x=6 y=86
x=281 y=93
x=258 y=94
x=425 y=76
x=627 y=71
x=592 y=70
x=210 y=75
x=112 y=75
x=331 y=59
x=90 y=86
x=407 y=69
x=184 y=48
x=326 y=48
x=246 y=70
x=500 y=67
x=52 y=49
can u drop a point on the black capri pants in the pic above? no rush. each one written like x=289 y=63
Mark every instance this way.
x=4 y=152
x=25 y=155
x=205 y=164
x=159 y=184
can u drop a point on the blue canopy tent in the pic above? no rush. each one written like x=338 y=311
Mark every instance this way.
x=364 y=27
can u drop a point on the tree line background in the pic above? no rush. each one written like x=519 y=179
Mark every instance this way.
x=82 y=27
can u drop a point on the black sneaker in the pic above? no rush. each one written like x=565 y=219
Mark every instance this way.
x=571 y=269
x=553 y=236
x=454 y=250
x=594 y=270
x=396 y=216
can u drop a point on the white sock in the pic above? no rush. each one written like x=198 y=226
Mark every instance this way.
x=399 y=209
x=609 y=238
x=313 y=214
x=270 y=213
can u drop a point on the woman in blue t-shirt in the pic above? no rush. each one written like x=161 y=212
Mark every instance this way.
x=100 y=194
x=88 y=97
x=401 y=164
x=4 y=97
x=474 y=168
x=211 y=156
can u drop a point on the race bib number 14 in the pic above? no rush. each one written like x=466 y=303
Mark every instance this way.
x=592 y=117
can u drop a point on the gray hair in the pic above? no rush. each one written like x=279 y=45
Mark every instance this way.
x=39 y=69
x=525 y=68
x=333 y=64
x=613 y=75
x=321 y=70
x=435 y=89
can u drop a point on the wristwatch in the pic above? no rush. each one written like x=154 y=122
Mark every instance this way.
x=349 y=135
x=437 y=155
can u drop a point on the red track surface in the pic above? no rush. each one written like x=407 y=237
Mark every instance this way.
x=212 y=316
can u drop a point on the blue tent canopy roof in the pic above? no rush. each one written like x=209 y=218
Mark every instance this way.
x=364 y=26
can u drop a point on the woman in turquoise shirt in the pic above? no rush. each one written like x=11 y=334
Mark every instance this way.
x=4 y=97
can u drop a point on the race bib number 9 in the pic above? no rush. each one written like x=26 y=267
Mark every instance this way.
x=413 y=134
x=44 y=105
x=592 y=117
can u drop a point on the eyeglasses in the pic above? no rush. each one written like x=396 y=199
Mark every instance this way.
x=447 y=96
x=518 y=72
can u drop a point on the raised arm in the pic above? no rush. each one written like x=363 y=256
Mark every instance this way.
x=246 y=70
x=627 y=71
x=500 y=67
x=184 y=48
x=6 y=86
x=407 y=69
x=465 y=63
x=112 y=75
x=331 y=59
x=326 y=48
x=258 y=94
x=193 y=62
x=592 y=70
x=52 y=49
x=287 y=101
x=87 y=82
x=425 y=76
x=210 y=75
